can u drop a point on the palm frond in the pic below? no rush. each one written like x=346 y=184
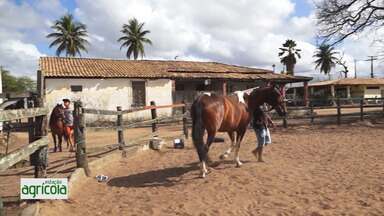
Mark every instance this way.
x=134 y=38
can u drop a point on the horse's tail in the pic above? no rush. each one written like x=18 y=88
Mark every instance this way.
x=198 y=129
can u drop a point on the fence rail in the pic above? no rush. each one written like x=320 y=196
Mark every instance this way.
x=37 y=148
x=135 y=109
x=362 y=105
x=9 y=115
x=22 y=153
x=80 y=126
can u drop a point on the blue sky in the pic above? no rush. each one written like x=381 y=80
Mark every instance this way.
x=245 y=32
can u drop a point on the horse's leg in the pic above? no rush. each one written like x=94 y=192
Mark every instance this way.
x=210 y=139
x=66 y=137
x=54 y=142
x=60 y=141
x=229 y=150
x=239 y=138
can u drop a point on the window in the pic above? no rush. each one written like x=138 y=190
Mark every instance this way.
x=179 y=87
x=373 y=87
x=138 y=93
x=200 y=87
x=76 y=88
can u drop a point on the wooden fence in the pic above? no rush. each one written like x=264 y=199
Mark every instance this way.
x=340 y=105
x=80 y=126
x=37 y=148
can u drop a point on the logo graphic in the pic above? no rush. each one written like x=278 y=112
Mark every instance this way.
x=43 y=188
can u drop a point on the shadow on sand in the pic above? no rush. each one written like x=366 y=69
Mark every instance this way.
x=167 y=177
x=163 y=177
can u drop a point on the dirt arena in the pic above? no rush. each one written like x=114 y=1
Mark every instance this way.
x=309 y=170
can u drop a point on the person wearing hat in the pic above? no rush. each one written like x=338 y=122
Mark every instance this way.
x=68 y=123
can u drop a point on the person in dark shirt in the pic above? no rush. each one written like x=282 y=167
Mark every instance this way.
x=260 y=122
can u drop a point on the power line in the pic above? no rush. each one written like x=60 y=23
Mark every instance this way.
x=372 y=58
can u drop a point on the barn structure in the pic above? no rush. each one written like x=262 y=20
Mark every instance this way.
x=353 y=88
x=107 y=83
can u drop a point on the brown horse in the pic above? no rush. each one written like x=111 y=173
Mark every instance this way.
x=57 y=126
x=228 y=114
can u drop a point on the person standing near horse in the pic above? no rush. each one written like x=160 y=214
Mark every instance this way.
x=68 y=123
x=260 y=123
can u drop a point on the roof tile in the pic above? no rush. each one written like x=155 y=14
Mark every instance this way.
x=110 y=68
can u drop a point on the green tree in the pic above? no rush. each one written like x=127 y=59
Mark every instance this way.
x=288 y=55
x=12 y=84
x=325 y=58
x=134 y=38
x=69 y=36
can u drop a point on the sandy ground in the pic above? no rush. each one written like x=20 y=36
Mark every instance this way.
x=61 y=164
x=310 y=170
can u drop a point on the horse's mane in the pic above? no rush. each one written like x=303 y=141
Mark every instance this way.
x=266 y=88
x=52 y=117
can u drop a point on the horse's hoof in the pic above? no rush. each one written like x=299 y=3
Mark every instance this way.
x=238 y=164
x=223 y=156
x=54 y=150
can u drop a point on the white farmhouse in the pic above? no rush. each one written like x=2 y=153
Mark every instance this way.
x=107 y=83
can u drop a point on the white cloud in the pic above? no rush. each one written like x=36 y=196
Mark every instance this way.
x=18 y=57
x=243 y=32
x=17 y=33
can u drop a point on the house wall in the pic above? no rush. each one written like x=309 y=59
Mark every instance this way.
x=190 y=92
x=374 y=93
x=357 y=91
x=1 y=98
x=107 y=94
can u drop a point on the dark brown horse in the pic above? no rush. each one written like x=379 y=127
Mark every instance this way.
x=56 y=124
x=230 y=114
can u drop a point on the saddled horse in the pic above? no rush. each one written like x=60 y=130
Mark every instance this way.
x=56 y=123
x=230 y=114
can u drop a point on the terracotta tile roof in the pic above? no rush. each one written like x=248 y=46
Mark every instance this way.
x=350 y=81
x=110 y=68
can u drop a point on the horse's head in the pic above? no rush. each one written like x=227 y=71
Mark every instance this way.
x=269 y=95
x=58 y=111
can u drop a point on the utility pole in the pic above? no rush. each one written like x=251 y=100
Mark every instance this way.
x=372 y=58
x=273 y=67
x=355 y=68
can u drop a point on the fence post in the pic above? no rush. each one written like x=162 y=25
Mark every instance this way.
x=79 y=129
x=361 y=109
x=338 y=111
x=39 y=158
x=1 y=207
x=119 y=123
x=185 y=127
x=31 y=128
x=312 y=114
x=154 y=116
x=383 y=105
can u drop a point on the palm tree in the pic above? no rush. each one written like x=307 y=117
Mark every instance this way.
x=134 y=38
x=69 y=36
x=288 y=55
x=325 y=58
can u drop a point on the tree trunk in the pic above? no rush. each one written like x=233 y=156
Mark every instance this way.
x=290 y=69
